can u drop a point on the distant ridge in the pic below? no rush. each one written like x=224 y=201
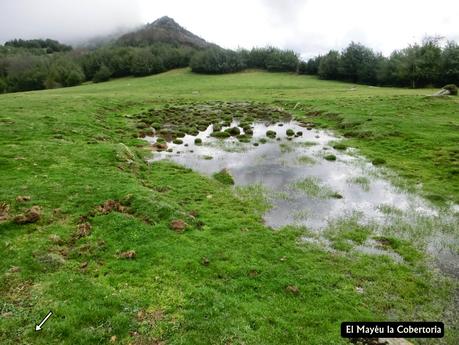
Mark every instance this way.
x=163 y=30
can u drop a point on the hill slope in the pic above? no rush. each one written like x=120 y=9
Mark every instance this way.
x=163 y=30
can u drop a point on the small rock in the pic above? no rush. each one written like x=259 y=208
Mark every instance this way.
x=84 y=264
x=22 y=198
x=130 y=254
x=359 y=289
x=31 y=216
x=178 y=225
x=113 y=339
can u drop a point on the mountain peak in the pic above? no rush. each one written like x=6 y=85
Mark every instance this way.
x=163 y=30
x=165 y=21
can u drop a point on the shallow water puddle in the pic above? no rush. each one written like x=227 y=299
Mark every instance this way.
x=298 y=176
x=308 y=182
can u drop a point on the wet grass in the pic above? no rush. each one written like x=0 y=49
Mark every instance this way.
x=224 y=177
x=362 y=181
x=307 y=160
x=286 y=147
x=390 y=210
x=330 y=157
x=205 y=270
x=313 y=187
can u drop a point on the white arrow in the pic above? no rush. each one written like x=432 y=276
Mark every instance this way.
x=40 y=325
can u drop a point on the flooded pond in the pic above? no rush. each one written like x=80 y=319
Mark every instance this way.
x=311 y=180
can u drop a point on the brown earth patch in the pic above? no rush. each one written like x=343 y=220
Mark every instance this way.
x=130 y=254
x=32 y=215
x=178 y=225
x=110 y=206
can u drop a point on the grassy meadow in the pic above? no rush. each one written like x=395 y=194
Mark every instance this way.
x=105 y=258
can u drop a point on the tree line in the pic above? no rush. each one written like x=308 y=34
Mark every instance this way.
x=418 y=65
x=217 y=60
x=26 y=66
x=44 y=64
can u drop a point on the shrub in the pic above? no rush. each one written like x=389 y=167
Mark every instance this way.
x=103 y=74
x=3 y=85
x=452 y=88
x=75 y=77
x=26 y=73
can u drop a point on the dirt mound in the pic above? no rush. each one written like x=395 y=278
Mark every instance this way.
x=294 y=290
x=178 y=225
x=83 y=230
x=110 y=206
x=130 y=254
x=32 y=215
x=4 y=211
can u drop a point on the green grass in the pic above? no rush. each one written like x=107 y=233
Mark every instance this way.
x=224 y=177
x=224 y=278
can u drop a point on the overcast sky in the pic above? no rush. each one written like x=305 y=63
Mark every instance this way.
x=309 y=27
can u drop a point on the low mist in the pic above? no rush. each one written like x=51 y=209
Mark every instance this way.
x=70 y=22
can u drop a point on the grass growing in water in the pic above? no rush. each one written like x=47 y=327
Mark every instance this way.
x=314 y=188
x=224 y=177
x=307 y=160
x=330 y=157
x=286 y=147
x=362 y=181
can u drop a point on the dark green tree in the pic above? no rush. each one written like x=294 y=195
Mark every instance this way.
x=449 y=64
x=145 y=63
x=328 y=67
x=103 y=74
